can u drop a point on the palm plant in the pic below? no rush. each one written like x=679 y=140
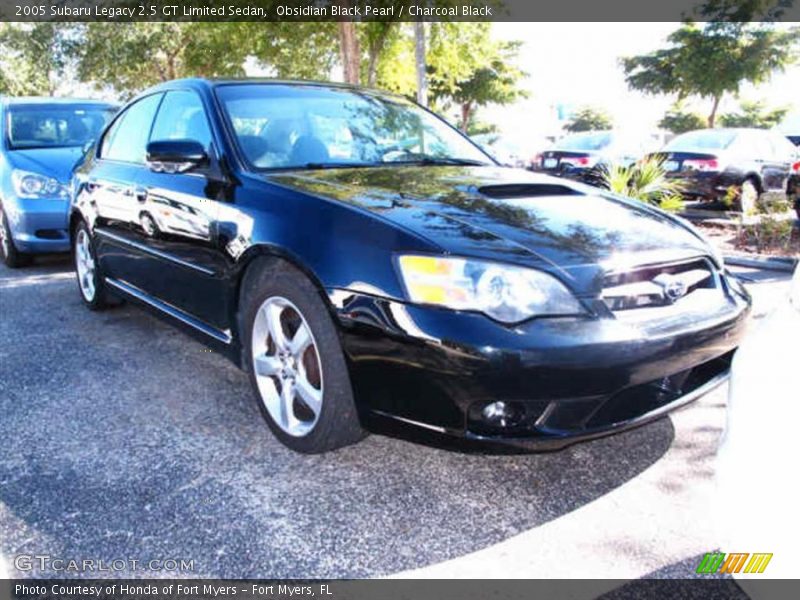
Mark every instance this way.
x=645 y=180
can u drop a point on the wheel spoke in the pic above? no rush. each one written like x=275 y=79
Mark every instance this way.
x=267 y=366
x=275 y=326
x=300 y=341
x=310 y=395
x=288 y=418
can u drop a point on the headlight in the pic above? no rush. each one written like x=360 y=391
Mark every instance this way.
x=33 y=185
x=505 y=293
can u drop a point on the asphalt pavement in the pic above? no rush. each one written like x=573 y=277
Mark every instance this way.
x=125 y=439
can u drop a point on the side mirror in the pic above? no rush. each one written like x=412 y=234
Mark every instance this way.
x=176 y=156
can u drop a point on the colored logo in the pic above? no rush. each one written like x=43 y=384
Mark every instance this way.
x=741 y=562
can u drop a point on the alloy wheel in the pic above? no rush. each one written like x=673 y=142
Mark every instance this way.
x=287 y=366
x=84 y=264
x=748 y=197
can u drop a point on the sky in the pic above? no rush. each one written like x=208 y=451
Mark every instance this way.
x=578 y=64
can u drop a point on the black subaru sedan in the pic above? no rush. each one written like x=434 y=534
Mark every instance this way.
x=364 y=262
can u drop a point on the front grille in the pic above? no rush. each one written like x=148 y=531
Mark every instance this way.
x=657 y=285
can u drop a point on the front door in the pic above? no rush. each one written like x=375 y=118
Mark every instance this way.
x=177 y=215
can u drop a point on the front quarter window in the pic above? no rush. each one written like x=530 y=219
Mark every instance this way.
x=283 y=127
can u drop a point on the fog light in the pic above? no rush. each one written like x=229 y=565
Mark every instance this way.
x=503 y=414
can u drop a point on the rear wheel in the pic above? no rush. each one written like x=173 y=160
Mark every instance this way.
x=295 y=361
x=90 y=278
x=12 y=258
x=748 y=197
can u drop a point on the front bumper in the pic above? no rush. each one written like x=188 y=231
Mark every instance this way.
x=38 y=225
x=567 y=379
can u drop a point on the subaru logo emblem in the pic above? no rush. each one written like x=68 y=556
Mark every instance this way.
x=672 y=288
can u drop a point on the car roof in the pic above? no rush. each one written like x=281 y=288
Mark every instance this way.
x=208 y=83
x=10 y=100
x=733 y=130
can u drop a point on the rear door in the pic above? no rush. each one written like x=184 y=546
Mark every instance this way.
x=785 y=156
x=768 y=161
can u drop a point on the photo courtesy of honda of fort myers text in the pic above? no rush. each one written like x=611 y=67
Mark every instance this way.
x=433 y=299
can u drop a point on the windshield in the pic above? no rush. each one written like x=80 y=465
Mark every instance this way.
x=705 y=139
x=585 y=141
x=284 y=126
x=55 y=126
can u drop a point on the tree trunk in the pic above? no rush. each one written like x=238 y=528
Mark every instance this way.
x=419 y=53
x=376 y=48
x=466 y=116
x=350 y=52
x=712 y=118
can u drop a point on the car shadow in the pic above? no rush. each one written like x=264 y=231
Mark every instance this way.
x=127 y=439
x=680 y=580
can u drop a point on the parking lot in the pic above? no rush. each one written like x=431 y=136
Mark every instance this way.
x=125 y=439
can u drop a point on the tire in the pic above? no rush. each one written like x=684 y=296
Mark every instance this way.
x=91 y=286
x=12 y=258
x=304 y=393
x=748 y=197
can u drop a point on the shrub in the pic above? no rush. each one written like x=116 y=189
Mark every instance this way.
x=768 y=234
x=647 y=181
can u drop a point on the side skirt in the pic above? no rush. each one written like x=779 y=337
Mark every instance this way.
x=219 y=340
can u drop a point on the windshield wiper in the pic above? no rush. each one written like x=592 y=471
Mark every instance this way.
x=445 y=160
x=334 y=165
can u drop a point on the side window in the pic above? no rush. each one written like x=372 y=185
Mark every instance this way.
x=126 y=141
x=182 y=117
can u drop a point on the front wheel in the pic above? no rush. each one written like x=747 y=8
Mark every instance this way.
x=11 y=257
x=295 y=361
x=748 y=197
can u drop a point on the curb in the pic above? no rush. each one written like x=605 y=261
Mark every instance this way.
x=759 y=261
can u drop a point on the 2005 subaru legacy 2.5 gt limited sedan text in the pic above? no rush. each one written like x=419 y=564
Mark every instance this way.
x=365 y=262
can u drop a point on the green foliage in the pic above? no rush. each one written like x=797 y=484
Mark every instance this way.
x=292 y=50
x=740 y=11
x=769 y=234
x=646 y=181
x=132 y=56
x=589 y=119
x=477 y=127
x=467 y=68
x=712 y=60
x=34 y=57
x=677 y=120
x=754 y=114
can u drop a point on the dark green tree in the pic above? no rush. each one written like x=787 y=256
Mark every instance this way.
x=589 y=118
x=679 y=120
x=35 y=57
x=754 y=114
x=712 y=60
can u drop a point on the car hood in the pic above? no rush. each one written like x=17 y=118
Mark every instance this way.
x=510 y=215
x=53 y=162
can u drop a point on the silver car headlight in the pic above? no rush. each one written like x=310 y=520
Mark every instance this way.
x=505 y=293
x=34 y=185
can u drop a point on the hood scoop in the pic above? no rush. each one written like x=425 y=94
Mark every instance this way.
x=508 y=191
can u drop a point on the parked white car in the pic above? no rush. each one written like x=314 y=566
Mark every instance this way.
x=757 y=485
